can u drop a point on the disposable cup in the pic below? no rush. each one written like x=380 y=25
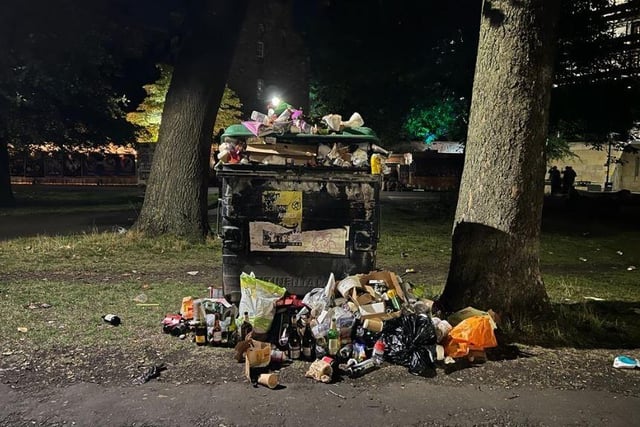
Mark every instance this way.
x=269 y=380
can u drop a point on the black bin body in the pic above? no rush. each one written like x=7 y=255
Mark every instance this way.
x=293 y=226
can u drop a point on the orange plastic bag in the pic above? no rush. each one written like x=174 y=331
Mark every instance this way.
x=473 y=333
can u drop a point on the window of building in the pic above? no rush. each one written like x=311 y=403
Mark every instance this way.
x=260 y=50
x=634 y=28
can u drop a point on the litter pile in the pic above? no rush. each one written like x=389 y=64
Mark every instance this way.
x=283 y=136
x=348 y=328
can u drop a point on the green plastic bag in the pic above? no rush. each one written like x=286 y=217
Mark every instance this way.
x=258 y=298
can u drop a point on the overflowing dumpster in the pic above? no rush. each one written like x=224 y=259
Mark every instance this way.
x=296 y=206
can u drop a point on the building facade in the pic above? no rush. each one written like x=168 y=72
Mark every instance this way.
x=271 y=58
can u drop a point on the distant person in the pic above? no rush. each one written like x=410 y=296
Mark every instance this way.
x=556 y=180
x=568 y=179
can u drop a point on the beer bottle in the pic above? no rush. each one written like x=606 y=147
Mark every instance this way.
x=232 y=332
x=308 y=344
x=334 y=338
x=294 y=341
x=246 y=327
x=216 y=334
x=201 y=333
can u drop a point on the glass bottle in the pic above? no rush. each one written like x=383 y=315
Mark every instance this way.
x=295 y=341
x=334 y=338
x=216 y=334
x=246 y=327
x=232 y=332
x=308 y=343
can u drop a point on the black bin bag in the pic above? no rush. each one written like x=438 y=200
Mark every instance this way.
x=410 y=341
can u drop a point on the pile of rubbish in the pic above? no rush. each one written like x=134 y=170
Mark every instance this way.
x=348 y=328
x=283 y=136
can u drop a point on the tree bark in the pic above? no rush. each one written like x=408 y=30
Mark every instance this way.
x=6 y=193
x=496 y=233
x=176 y=196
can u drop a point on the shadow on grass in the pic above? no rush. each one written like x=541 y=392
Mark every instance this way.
x=591 y=324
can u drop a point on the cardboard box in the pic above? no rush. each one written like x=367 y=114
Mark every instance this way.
x=377 y=310
x=257 y=356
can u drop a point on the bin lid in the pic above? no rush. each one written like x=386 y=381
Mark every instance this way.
x=363 y=134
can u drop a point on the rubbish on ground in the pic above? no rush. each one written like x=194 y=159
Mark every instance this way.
x=112 y=319
x=594 y=298
x=23 y=329
x=150 y=373
x=193 y=273
x=148 y=304
x=582 y=259
x=631 y=268
x=619 y=252
x=321 y=370
x=473 y=333
x=142 y=298
x=410 y=341
x=348 y=328
x=37 y=305
x=626 y=362
x=258 y=298
x=271 y=380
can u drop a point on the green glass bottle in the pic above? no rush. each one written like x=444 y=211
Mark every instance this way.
x=334 y=338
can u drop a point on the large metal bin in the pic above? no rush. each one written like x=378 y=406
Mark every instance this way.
x=294 y=225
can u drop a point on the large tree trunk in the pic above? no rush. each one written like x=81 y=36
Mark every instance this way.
x=6 y=194
x=496 y=234
x=176 y=196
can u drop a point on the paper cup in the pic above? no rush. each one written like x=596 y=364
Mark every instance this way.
x=269 y=380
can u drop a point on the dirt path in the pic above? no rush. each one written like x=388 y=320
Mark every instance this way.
x=235 y=404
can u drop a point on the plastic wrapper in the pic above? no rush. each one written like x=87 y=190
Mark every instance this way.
x=258 y=298
x=410 y=341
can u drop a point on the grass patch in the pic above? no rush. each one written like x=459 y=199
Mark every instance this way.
x=85 y=276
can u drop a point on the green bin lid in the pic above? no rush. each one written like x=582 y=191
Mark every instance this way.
x=360 y=133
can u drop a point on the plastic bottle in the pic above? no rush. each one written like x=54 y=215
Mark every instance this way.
x=378 y=352
x=112 y=319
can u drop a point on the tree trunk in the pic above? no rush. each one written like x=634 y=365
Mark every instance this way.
x=6 y=194
x=176 y=196
x=496 y=233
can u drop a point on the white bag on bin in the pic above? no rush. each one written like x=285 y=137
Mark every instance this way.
x=258 y=298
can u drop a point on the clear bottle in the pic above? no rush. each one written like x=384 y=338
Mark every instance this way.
x=333 y=338
x=378 y=352
x=283 y=340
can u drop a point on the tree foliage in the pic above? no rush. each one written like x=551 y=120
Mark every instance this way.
x=413 y=53
x=148 y=114
x=445 y=119
x=63 y=75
